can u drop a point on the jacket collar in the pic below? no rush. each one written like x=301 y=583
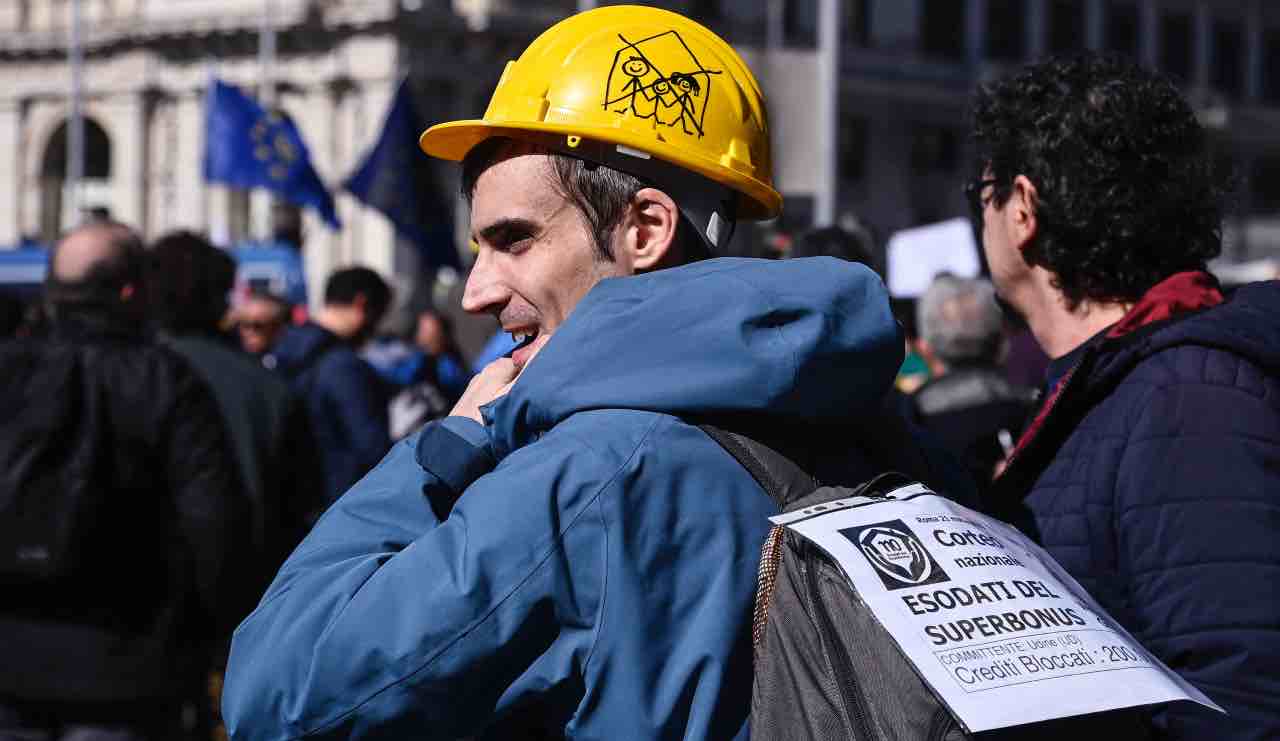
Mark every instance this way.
x=1180 y=293
x=1176 y=296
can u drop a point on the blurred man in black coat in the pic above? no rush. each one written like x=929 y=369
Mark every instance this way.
x=121 y=511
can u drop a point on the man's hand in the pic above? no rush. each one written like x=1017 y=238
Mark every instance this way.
x=494 y=381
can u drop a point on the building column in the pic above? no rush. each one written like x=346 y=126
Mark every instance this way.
x=320 y=122
x=1253 y=52
x=376 y=239
x=128 y=114
x=975 y=33
x=1037 y=28
x=10 y=180
x=1202 y=40
x=191 y=198
x=1094 y=24
x=1148 y=33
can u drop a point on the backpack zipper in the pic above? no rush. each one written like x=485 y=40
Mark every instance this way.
x=841 y=665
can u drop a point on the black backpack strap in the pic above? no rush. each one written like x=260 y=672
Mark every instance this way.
x=780 y=477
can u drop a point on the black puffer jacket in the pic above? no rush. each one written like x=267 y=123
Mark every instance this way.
x=162 y=573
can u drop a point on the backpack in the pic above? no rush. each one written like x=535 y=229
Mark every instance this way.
x=824 y=665
x=49 y=461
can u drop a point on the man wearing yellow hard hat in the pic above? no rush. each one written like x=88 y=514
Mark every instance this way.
x=569 y=550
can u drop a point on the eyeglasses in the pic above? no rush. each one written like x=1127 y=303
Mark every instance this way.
x=973 y=193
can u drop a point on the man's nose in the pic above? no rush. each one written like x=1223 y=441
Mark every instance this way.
x=484 y=291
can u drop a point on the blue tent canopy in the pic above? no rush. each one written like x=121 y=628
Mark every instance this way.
x=22 y=271
x=273 y=267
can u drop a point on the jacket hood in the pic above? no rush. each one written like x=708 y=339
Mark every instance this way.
x=1246 y=324
x=796 y=340
x=299 y=345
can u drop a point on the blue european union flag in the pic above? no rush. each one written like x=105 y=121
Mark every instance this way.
x=395 y=178
x=248 y=147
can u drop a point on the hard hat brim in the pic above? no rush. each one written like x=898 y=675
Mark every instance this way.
x=451 y=141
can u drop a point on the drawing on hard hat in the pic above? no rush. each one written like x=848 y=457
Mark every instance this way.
x=637 y=85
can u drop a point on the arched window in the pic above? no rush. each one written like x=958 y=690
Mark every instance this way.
x=55 y=204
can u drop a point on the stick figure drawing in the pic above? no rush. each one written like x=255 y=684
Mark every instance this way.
x=637 y=86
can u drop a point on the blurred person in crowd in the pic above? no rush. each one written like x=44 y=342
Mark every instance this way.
x=112 y=440
x=345 y=399
x=967 y=402
x=566 y=549
x=437 y=376
x=434 y=337
x=191 y=280
x=1152 y=471
x=260 y=319
x=854 y=245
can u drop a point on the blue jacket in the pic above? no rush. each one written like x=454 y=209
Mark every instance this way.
x=1154 y=479
x=601 y=564
x=345 y=401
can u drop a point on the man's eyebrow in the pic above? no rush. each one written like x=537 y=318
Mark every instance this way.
x=505 y=226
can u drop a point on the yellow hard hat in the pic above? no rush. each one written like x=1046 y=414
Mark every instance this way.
x=650 y=82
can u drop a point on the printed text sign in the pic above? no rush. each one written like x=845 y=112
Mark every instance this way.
x=991 y=621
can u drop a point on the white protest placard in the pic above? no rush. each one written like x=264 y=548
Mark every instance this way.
x=997 y=628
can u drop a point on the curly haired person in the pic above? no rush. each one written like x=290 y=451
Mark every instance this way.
x=1152 y=470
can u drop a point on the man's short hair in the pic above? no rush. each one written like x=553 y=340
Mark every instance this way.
x=960 y=320
x=600 y=193
x=1126 y=188
x=854 y=245
x=190 y=282
x=344 y=285
x=97 y=281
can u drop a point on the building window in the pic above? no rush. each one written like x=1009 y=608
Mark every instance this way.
x=800 y=22
x=942 y=29
x=1176 y=45
x=1271 y=65
x=1066 y=26
x=1264 y=184
x=853 y=147
x=934 y=149
x=1122 y=29
x=1006 y=30
x=1228 y=61
x=857 y=22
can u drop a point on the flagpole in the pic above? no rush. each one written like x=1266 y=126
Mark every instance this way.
x=267 y=94
x=75 y=122
x=828 y=120
x=267 y=55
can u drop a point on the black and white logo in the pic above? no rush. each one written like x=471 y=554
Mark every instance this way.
x=897 y=555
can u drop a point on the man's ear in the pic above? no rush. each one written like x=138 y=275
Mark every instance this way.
x=1020 y=210
x=649 y=231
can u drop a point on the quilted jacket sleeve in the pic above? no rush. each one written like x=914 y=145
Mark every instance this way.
x=398 y=618
x=1198 y=533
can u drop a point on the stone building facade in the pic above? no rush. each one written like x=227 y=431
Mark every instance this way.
x=906 y=70
x=148 y=64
